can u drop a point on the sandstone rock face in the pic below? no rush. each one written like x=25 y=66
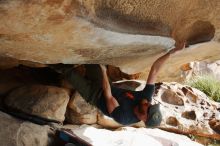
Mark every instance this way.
x=8 y=62
x=80 y=112
x=15 y=132
x=130 y=136
x=171 y=70
x=201 y=68
x=57 y=31
x=115 y=32
x=157 y=17
x=108 y=31
x=44 y=101
x=194 y=115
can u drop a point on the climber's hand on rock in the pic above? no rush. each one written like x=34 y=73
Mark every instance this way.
x=179 y=46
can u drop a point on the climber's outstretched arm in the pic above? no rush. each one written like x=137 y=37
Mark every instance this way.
x=157 y=65
x=111 y=102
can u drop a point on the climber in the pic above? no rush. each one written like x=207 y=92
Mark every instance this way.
x=124 y=106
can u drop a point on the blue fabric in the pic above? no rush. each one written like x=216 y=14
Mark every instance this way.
x=65 y=137
x=124 y=114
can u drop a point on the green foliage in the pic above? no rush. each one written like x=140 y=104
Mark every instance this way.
x=207 y=84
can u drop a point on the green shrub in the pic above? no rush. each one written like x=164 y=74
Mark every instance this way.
x=207 y=84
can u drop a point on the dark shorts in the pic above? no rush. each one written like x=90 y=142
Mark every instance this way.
x=90 y=86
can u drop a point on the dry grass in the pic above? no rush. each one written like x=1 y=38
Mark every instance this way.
x=207 y=84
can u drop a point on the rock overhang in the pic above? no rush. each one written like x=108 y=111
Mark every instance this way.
x=108 y=32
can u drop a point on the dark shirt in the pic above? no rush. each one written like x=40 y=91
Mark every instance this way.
x=127 y=99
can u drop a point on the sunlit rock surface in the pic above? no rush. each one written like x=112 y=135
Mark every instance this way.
x=129 y=136
x=108 y=31
x=197 y=68
x=187 y=109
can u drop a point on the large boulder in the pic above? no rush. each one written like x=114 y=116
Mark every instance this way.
x=187 y=109
x=112 y=32
x=15 y=132
x=80 y=112
x=48 y=102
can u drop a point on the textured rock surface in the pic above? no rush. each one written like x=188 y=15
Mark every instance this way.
x=107 y=31
x=114 y=32
x=15 y=132
x=8 y=62
x=131 y=137
x=201 y=68
x=80 y=112
x=44 y=101
x=58 y=35
x=193 y=116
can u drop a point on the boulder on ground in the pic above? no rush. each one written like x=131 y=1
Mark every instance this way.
x=80 y=112
x=193 y=115
x=15 y=132
x=48 y=102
